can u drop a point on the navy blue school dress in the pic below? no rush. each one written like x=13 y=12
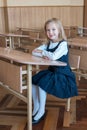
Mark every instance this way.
x=59 y=81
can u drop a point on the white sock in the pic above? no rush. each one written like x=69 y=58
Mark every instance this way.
x=35 y=98
x=42 y=98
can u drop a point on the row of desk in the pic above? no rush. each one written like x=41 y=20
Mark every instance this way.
x=28 y=60
x=77 y=41
x=10 y=39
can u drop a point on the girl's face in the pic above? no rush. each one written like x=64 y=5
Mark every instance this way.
x=52 y=31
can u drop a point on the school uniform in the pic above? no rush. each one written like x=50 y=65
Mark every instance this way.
x=59 y=81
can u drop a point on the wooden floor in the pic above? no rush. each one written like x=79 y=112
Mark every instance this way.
x=13 y=113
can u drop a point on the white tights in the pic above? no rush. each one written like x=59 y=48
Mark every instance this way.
x=39 y=101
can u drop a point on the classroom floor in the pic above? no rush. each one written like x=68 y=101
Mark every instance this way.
x=13 y=113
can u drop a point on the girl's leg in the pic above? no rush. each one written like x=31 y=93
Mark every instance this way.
x=42 y=99
x=35 y=97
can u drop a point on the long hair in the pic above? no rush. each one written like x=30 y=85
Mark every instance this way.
x=60 y=27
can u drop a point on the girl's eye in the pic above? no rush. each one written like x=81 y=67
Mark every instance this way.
x=48 y=30
x=54 y=29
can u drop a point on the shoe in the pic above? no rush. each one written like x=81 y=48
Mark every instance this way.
x=37 y=121
x=34 y=114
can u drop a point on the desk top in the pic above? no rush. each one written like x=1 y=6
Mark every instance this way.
x=26 y=58
x=13 y=35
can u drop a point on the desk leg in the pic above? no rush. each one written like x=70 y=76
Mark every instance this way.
x=10 y=42
x=29 y=96
x=19 y=42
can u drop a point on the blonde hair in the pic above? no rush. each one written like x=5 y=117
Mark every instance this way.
x=60 y=27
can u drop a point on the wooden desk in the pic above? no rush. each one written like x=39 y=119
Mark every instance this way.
x=80 y=42
x=10 y=38
x=29 y=60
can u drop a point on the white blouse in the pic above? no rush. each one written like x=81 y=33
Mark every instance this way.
x=59 y=52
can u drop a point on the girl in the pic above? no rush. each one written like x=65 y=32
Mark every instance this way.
x=56 y=80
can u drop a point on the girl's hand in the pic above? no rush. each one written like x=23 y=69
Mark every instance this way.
x=40 y=51
x=45 y=57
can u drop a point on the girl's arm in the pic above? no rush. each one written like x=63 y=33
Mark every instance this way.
x=58 y=53
x=38 y=51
